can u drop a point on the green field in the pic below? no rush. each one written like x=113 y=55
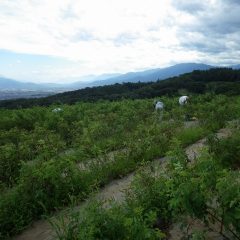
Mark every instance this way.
x=49 y=160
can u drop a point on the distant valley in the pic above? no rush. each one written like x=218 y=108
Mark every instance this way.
x=16 y=94
x=12 y=89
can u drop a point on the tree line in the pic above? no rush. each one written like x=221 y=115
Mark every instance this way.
x=218 y=81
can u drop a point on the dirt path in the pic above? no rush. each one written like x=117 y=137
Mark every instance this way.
x=41 y=230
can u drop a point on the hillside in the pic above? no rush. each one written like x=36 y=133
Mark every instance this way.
x=50 y=161
x=218 y=80
x=104 y=79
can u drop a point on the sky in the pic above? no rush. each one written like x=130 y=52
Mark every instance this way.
x=60 y=40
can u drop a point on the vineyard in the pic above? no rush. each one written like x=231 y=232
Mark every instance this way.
x=50 y=161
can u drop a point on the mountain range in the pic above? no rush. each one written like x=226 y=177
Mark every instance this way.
x=153 y=74
x=213 y=81
x=7 y=84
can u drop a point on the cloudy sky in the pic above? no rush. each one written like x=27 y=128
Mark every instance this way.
x=51 y=40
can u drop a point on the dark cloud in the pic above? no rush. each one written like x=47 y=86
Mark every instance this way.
x=219 y=19
x=237 y=2
x=215 y=29
x=225 y=21
x=211 y=43
x=205 y=47
x=193 y=6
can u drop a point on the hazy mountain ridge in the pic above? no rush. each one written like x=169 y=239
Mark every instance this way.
x=236 y=66
x=12 y=89
x=155 y=74
x=213 y=81
x=107 y=79
x=11 y=84
x=151 y=75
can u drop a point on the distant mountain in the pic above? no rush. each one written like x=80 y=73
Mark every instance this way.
x=236 y=66
x=86 y=80
x=12 y=89
x=7 y=84
x=80 y=82
x=217 y=80
x=151 y=75
x=10 y=84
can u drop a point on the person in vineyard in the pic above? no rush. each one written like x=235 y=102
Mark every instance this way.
x=159 y=107
x=57 y=110
x=184 y=100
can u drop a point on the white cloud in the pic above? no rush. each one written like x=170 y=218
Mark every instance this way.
x=103 y=36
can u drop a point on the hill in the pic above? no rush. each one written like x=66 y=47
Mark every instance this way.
x=105 y=79
x=217 y=80
x=154 y=74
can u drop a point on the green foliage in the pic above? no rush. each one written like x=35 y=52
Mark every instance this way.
x=96 y=222
x=49 y=158
x=9 y=163
x=228 y=193
x=150 y=193
x=206 y=191
x=227 y=151
x=191 y=134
